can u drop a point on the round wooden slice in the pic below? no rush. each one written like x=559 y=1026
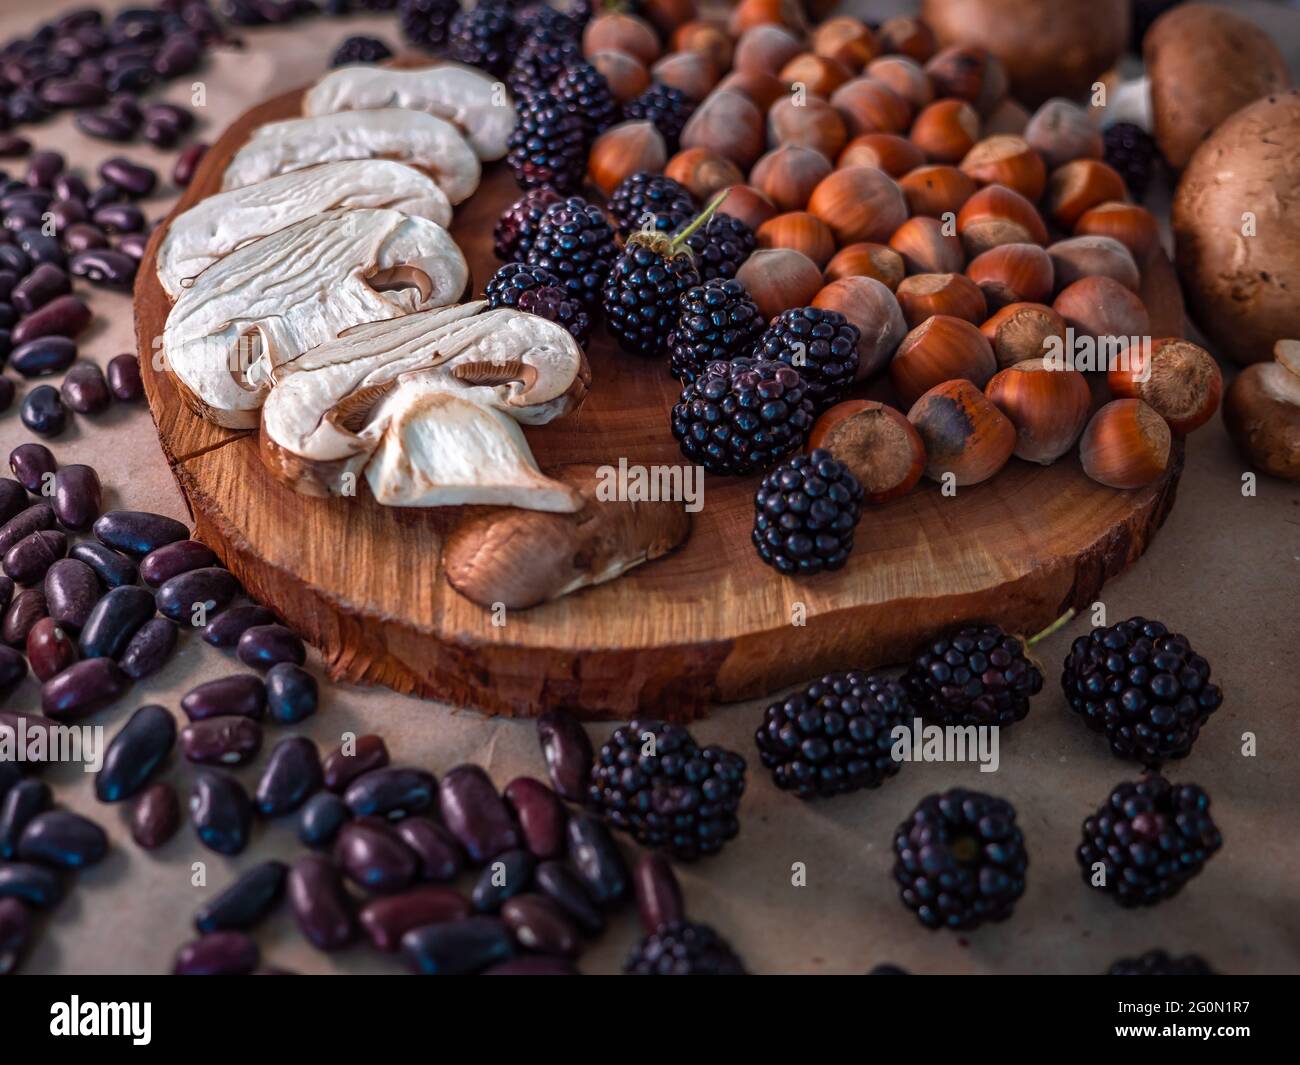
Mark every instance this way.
x=709 y=623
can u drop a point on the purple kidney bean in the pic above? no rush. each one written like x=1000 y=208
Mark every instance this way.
x=155 y=815
x=292 y=774
x=65 y=316
x=567 y=749
x=658 y=894
x=31 y=557
x=373 y=857
x=42 y=248
x=160 y=133
x=13 y=499
x=43 y=412
x=320 y=819
x=505 y=876
x=597 y=859
x=188 y=598
x=68 y=92
x=217 y=954
x=8 y=281
x=385 y=920
x=179 y=55
x=22 y=216
x=221 y=811
x=63 y=839
x=71 y=591
x=172 y=114
x=241 y=694
x=562 y=885
x=187 y=163
x=225 y=740
x=149 y=649
x=114 y=620
x=263 y=646
x=83 y=688
x=476 y=814
x=347 y=762
x=43 y=356
x=69 y=186
x=6 y=592
x=119 y=218
x=33 y=884
x=104 y=125
x=138 y=532
x=43 y=167
x=7 y=388
x=439 y=853
x=21 y=803
x=65 y=213
x=77 y=496
x=173 y=559
x=107 y=193
x=531 y=965
x=14 y=259
x=82 y=236
x=292 y=694
x=226 y=628
x=457 y=948
x=393 y=792
x=13 y=146
x=135 y=753
x=45 y=283
x=49 y=649
x=245 y=901
x=13 y=668
x=321 y=907
x=34 y=466
x=133 y=244
x=540 y=815
x=111 y=567
x=84 y=389
x=104 y=266
x=539 y=925
x=16 y=933
x=27 y=608
x=135 y=179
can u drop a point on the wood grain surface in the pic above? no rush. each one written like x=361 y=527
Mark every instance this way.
x=709 y=623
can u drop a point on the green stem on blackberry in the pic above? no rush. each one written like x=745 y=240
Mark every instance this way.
x=670 y=247
x=1053 y=627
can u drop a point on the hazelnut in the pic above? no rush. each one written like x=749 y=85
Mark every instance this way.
x=1079 y=186
x=729 y=124
x=691 y=72
x=766 y=48
x=923 y=296
x=747 y=204
x=846 y=40
x=787 y=175
x=964 y=433
x=1007 y=160
x=941 y=348
x=997 y=215
x=926 y=248
x=867 y=260
x=1061 y=132
x=871 y=306
x=1133 y=226
x=627 y=76
x=622 y=151
x=750 y=13
x=1262 y=412
x=1126 y=445
x=1021 y=331
x=802 y=232
x=1081 y=257
x=819 y=75
x=908 y=36
x=812 y=122
x=667 y=15
x=778 y=279
x=1180 y=381
x=707 y=38
x=905 y=76
x=871 y=106
x=704 y=172
x=1102 y=308
x=621 y=33
x=936 y=190
x=969 y=73
x=1048 y=408
x=859 y=203
x=1008 y=117
x=760 y=86
x=946 y=130
x=881 y=448
x=1013 y=273
x=889 y=152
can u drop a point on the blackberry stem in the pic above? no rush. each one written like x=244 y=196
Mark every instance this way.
x=679 y=239
x=1053 y=627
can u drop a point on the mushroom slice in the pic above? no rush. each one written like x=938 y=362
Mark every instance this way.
x=420 y=140
x=474 y=103
x=218 y=225
x=275 y=298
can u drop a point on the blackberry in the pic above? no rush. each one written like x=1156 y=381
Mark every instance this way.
x=822 y=345
x=668 y=792
x=1147 y=840
x=1131 y=151
x=426 y=24
x=555 y=304
x=805 y=513
x=576 y=244
x=548 y=145
x=833 y=736
x=960 y=860
x=741 y=416
x=643 y=288
x=480 y=36
x=684 y=948
x=582 y=89
x=977 y=675
x=542 y=58
x=514 y=279
x=360 y=50
x=516 y=229
x=888 y=969
x=1144 y=687
x=716 y=322
x=648 y=199
x=722 y=246
x=1160 y=963
x=666 y=107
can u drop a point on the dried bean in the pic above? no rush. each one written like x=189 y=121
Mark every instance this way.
x=137 y=180
x=104 y=266
x=540 y=925
x=111 y=567
x=6 y=384
x=658 y=894
x=221 y=811
x=33 y=884
x=132 y=756
x=43 y=411
x=23 y=801
x=77 y=496
x=45 y=283
x=114 y=620
x=227 y=627
x=13 y=146
x=124 y=379
x=292 y=774
x=440 y=855
x=64 y=316
x=179 y=55
x=321 y=907
x=366 y=753
x=149 y=649
x=171 y=560
x=138 y=532
x=187 y=163
x=49 y=649
x=118 y=218
x=27 y=608
x=6 y=592
x=373 y=857
x=244 y=902
x=43 y=248
x=540 y=815
x=16 y=933
x=84 y=389
x=457 y=948
x=476 y=814
x=14 y=259
x=505 y=876
x=225 y=740
x=155 y=815
x=241 y=694
x=108 y=193
x=43 y=167
x=82 y=236
x=264 y=646
x=63 y=839
x=23 y=524
x=65 y=213
x=562 y=885
x=567 y=749
x=83 y=688
x=321 y=818
x=70 y=187
x=13 y=668
x=385 y=920
x=394 y=793
x=217 y=954
x=531 y=965
x=133 y=244
x=68 y=92
x=597 y=859
x=31 y=557
x=291 y=694
x=190 y=597
x=33 y=465
x=43 y=356
x=13 y=498
x=161 y=134
x=104 y=125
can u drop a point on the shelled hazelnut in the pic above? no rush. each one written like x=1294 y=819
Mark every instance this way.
x=924 y=295
x=905 y=76
x=691 y=72
x=946 y=130
x=964 y=433
x=747 y=204
x=996 y=215
x=1021 y=331
x=1007 y=160
x=1048 y=408
x=819 y=75
x=1126 y=445
x=941 y=348
x=624 y=150
x=871 y=306
x=871 y=106
x=1013 y=273
x=813 y=123
x=1262 y=412
x=762 y=88
x=1180 y=382
x=905 y=35
x=1101 y=307
x=881 y=448
x=1080 y=257
x=802 y=232
x=767 y=48
x=936 y=190
x=706 y=37
x=969 y=73
x=778 y=279
x=621 y=33
x=667 y=15
x=1061 y=132
x=926 y=248
x=749 y=13
x=859 y=203
x=787 y=175
x=704 y=172
x=865 y=259
x=729 y=123
x=1132 y=225
x=894 y=154
x=1079 y=186
x=847 y=40
x=627 y=76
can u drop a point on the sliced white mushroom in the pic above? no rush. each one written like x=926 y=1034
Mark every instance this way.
x=473 y=102
x=275 y=298
x=218 y=225
x=418 y=139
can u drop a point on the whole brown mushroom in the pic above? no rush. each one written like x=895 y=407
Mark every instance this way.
x=1262 y=412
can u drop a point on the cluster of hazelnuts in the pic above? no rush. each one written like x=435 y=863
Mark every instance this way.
x=896 y=182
